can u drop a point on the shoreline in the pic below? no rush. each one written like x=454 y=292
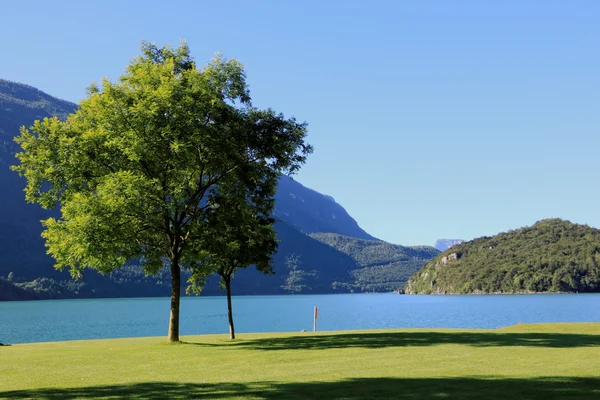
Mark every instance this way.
x=241 y=336
x=303 y=295
x=494 y=293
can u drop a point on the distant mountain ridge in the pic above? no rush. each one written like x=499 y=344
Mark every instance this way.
x=303 y=264
x=18 y=103
x=311 y=212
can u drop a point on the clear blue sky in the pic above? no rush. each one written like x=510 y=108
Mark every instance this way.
x=430 y=119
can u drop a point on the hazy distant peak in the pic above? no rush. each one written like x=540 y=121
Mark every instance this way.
x=444 y=244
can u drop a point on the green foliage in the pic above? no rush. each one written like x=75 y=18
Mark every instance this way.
x=239 y=230
x=380 y=266
x=133 y=165
x=136 y=168
x=551 y=256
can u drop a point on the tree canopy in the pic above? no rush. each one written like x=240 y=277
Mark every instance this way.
x=239 y=232
x=137 y=167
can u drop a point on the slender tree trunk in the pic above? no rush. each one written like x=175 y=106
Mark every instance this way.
x=227 y=279
x=175 y=300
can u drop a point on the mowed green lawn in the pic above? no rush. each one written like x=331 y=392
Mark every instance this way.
x=522 y=362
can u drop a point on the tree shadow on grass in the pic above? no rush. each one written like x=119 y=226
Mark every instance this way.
x=405 y=339
x=360 y=388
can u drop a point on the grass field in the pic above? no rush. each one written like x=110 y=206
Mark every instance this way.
x=558 y=361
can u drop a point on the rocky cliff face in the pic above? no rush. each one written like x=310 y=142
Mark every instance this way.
x=425 y=280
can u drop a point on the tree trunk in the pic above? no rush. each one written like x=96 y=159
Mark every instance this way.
x=227 y=280
x=175 y=300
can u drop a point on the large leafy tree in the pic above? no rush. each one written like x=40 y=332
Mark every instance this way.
x=135 y=168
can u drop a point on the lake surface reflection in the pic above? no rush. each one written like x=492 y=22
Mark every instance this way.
x=54 y=320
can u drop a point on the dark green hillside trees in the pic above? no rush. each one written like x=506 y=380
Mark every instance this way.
x=550 y=256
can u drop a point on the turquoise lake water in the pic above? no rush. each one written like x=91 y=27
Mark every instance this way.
x=54 y=320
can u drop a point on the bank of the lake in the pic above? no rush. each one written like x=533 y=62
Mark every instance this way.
x=553 y=361
x=59 y=320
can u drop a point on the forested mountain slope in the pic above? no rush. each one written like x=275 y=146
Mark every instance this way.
x=21 y=247
x=551 y=256
x=380 y=266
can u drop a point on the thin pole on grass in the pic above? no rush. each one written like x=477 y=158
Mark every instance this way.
x=315 y=319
